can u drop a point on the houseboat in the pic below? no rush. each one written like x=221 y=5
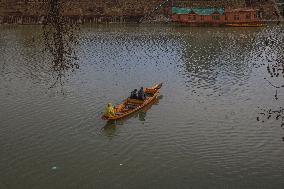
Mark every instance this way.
x=243 y=17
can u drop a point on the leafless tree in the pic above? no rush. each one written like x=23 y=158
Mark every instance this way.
x=60 y=38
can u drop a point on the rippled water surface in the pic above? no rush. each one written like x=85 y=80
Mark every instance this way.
x=201 y=132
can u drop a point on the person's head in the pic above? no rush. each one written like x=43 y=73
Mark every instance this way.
x=109 y=104
x=135 y=90
x=141 y=88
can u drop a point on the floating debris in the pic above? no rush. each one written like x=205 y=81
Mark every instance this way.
x=54 y=168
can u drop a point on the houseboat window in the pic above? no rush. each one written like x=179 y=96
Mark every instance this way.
x=236 y=17
x=248 y=16
x=216 y=17
x=193 y=17
x=226 y=18
x=189 y=17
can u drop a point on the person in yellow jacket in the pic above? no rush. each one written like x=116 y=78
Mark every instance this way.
x=109 y=112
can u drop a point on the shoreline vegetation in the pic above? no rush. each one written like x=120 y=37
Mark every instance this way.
x=128 y=11
x=38 y=20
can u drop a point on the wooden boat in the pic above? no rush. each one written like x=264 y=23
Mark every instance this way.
x=246 y=25
x=130 y=106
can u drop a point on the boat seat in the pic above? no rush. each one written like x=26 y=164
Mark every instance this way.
x=149 y=95
x=150 y=91
x=134 y=101
x=130 y=106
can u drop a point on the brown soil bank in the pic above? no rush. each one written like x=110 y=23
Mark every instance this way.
x=100 y=11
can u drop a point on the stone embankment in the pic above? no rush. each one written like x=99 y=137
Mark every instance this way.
x=118 y=11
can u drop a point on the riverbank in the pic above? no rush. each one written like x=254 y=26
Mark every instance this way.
x=129 y=11
x=34 y=20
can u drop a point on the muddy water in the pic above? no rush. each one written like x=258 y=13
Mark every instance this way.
x=201 y=132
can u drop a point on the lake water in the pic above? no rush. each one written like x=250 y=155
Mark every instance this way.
x=202 y=132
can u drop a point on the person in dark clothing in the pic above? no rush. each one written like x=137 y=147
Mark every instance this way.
x=133 y=94
x=141 y=94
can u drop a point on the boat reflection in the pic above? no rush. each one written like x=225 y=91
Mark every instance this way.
x=110 y=127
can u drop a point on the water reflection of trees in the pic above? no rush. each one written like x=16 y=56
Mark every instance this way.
x=2 y=50
x=59 y=38
x=215 y=57
x=271 y=50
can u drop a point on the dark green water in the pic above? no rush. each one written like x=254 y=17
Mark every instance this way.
x=201 y=133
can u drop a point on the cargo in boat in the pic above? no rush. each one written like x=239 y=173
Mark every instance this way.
x=129 y=106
